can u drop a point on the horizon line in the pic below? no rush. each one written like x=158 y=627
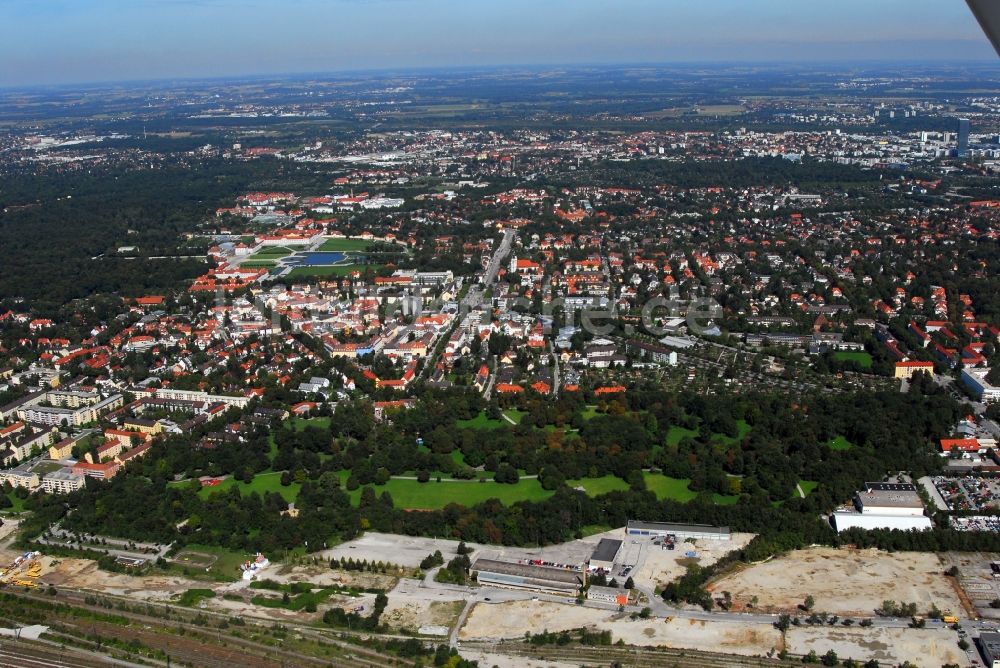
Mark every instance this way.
x=456 y=69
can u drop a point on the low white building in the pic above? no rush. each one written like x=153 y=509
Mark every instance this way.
x=884 y=505
x=679 y=531
x=844 y=520
x=607 y=595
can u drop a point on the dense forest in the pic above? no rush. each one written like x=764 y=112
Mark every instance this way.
x=785 y=440
x=60 y=232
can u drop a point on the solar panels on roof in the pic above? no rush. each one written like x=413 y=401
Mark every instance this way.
x=890 y=487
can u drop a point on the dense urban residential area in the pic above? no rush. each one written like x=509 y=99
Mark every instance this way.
x=618 y=366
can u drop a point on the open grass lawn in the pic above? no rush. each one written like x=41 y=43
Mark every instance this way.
x=18 y=504
x=590 y=412
x=808 y=486
x=742 y=430
x=515 y=415
x=345 y=245
x=840 y=443
x=262 y=482
x=277 y=251
x=298 y=424
x=225 y=563
x=863 y=359
x=676 y=489
x=482 y=422
x=433 y=495
x=591 y=529
x=598 y=486
x=677 y=434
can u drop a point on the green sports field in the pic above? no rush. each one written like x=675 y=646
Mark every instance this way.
x=862 y=359
x=345 y=245
x=432 y=495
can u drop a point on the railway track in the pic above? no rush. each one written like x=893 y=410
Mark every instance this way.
x=27 y=654
x=636 y=657
x=199 y=645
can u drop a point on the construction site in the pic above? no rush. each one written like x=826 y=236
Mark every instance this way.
x=24 y=571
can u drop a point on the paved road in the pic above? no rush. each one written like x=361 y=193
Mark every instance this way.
x=453 y=638
x=555 y=370
x=498 y=257
x=488 y=390
x=115 y=546
x=948 y=383
x=475 y=295
x=932 y=491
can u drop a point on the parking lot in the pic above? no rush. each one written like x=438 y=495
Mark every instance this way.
x=969 y=492
x=976 y=523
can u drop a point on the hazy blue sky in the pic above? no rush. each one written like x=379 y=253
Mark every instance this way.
x=55 y=41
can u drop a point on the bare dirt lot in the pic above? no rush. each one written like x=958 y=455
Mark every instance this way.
x=406 y=551
x=84 y=574
x=848 y=582
x=725 y=637
x=921 y=647
x=324 y=576
x=411 y=614
x=511 y=620
x=504 y=661
x=657 y=566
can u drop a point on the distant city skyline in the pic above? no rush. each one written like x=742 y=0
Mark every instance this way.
x=82 y=41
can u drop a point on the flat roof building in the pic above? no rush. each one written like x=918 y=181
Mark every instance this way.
x=513 y=575
x=608 y=595
x=989 y=647
x=884 y=505
x=882 y=498
x=605 y=554
x=62 y=481
x=975 y=380
x=680 y=531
